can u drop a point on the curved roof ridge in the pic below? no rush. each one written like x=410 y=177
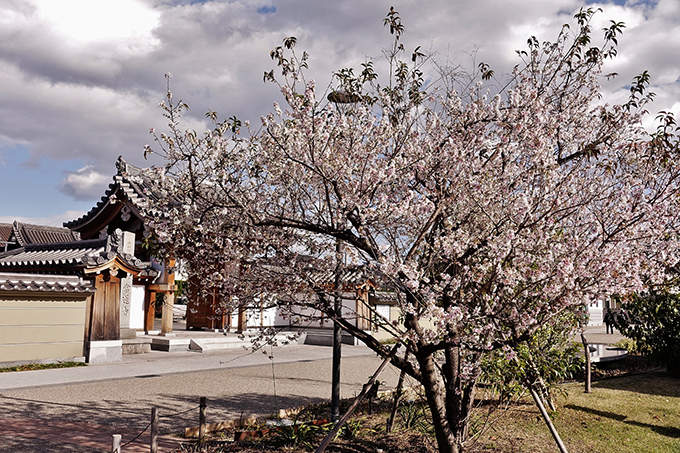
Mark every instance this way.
x=121 y=180
x=16 y=232
x=71 y=245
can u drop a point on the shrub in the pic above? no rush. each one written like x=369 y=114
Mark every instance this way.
x=652 y=320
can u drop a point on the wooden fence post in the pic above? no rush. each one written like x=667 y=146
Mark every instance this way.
x=546 y=417
x=115 y=444
x=586 y=347
x=153 y=445
x=201 y=419
x=397 y=396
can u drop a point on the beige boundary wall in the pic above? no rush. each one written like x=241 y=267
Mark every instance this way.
x=41 y=327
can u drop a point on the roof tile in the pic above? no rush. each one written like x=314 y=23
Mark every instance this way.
x=44 y=283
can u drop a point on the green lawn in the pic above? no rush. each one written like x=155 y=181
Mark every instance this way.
x=633 y=414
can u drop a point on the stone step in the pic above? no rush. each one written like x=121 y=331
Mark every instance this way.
x=326 y=339
x=136 y=346
x=170 y=344
x=211 y=344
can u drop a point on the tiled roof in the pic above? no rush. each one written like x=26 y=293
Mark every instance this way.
x=25 y=234
x=133 y=189
x=64 y=254
x=351 y=275
x=383 y=298
x=72 y=256
x=5 y=233
x=44 y=283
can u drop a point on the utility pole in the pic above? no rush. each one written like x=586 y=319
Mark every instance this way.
x=338 y=98
x=337 y=333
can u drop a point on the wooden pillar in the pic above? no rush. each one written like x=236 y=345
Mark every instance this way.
x=149 y=309
x=153 y=445
x=242 y=322
x=166 y=321
x=88 y=325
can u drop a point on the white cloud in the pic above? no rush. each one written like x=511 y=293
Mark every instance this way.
x=81 y=79
x=53 y=220
x=128 y=24
x=84 y=183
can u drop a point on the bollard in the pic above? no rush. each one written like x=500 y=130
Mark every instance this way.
x=115 y=445
x=201 y=419
x=154 y=431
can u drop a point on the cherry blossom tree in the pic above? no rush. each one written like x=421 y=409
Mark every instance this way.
x=489 y=204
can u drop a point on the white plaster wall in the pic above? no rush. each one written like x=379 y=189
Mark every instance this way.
x=137 y=307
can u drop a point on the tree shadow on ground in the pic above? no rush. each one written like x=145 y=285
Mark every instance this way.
x=103 y=412
x=176 y=412
x=667 y=431
x=24 y=445
x=240 y=406
x=652 y=383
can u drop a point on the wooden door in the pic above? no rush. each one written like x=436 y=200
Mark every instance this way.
x=204 y=313
x=105 y=312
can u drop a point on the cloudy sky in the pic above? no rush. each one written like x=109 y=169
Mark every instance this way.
x=80 y=80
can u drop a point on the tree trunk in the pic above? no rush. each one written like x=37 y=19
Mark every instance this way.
x=337 y=335
x=449 y=413
x=435 y=399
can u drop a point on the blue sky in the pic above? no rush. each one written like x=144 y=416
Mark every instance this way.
x=80 y=80
x=31 y=189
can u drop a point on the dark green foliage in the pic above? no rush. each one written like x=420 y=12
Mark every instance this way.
x=298 y=434
x=549 y=356
x=653 y=321
x=415 y=416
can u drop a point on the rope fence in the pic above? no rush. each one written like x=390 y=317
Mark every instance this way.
x=117 y=447
x=153 y=424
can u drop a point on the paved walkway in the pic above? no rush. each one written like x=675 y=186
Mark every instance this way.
x=599 y=335
x=157 y=363
x=31 y=435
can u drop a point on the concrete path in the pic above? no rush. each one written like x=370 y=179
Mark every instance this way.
x=599 y=335
x=29 y=435
x=159 y=363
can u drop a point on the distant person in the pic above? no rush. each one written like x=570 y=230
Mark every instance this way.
x=623 y=318
x=609 y=321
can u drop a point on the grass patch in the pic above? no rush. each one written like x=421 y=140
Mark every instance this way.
x=41 y=366
x=634 y=414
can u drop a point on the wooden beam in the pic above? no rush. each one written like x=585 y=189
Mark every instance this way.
x=149 y=310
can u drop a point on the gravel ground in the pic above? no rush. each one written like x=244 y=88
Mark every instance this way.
x=231 y=393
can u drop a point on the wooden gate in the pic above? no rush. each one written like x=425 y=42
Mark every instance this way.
x=103 y=313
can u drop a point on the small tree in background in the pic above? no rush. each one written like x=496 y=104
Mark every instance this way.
x=491 y=207
x=652 y=319
x=549 y=357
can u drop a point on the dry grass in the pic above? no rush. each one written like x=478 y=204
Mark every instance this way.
x=41 y=366
x=633 y=414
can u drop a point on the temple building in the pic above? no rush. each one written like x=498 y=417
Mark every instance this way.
x=91 y=289
x=79 y=291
